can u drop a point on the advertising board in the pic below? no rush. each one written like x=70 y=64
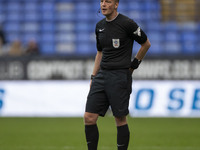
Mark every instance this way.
x=68 y=98
x=61 y=68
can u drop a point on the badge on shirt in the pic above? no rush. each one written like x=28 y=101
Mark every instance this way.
x=137 y=32
x=116 y=43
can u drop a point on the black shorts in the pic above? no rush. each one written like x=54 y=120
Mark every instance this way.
x=110 y=88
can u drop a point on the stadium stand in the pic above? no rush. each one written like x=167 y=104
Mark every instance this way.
x=69 y=24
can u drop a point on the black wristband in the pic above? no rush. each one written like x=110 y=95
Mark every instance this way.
x=92 y=77
x=135 y=63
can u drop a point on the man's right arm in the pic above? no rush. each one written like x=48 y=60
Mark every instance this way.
x=97 y=63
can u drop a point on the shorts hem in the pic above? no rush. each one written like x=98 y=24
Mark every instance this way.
x=121 y=115
x=100 y=114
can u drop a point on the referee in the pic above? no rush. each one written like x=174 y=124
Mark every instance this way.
x=111 y=80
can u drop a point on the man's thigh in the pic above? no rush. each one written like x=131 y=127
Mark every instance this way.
x=118 y=91
x=97 y=101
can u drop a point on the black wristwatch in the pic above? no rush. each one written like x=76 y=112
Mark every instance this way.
x=92 y=77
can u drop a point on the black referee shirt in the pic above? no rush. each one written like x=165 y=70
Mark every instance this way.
x=115 y=39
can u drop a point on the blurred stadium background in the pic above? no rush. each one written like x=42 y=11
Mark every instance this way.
x=47 y=50
x=63 y=30
x=66 y=27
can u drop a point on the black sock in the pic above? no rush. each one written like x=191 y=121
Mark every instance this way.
x=123 y=135
x=92 y=136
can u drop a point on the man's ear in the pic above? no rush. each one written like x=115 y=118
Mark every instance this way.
x=116 y=5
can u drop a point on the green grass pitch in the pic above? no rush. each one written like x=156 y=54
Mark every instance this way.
x=68 y=134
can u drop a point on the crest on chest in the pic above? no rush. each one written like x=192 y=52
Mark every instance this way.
x=116 y=43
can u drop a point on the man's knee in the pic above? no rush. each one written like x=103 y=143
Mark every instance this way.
x=90 y=118
x=120 y=121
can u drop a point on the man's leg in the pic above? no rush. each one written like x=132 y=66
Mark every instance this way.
x=91 y=130
x=123 y=133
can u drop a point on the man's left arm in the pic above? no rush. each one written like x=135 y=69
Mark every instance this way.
x=140 y=55
x=143 y=50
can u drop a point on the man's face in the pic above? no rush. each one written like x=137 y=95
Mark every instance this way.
x=108 y=7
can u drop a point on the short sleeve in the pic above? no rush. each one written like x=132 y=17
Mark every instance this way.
x=97 y=40
x=136 y=32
